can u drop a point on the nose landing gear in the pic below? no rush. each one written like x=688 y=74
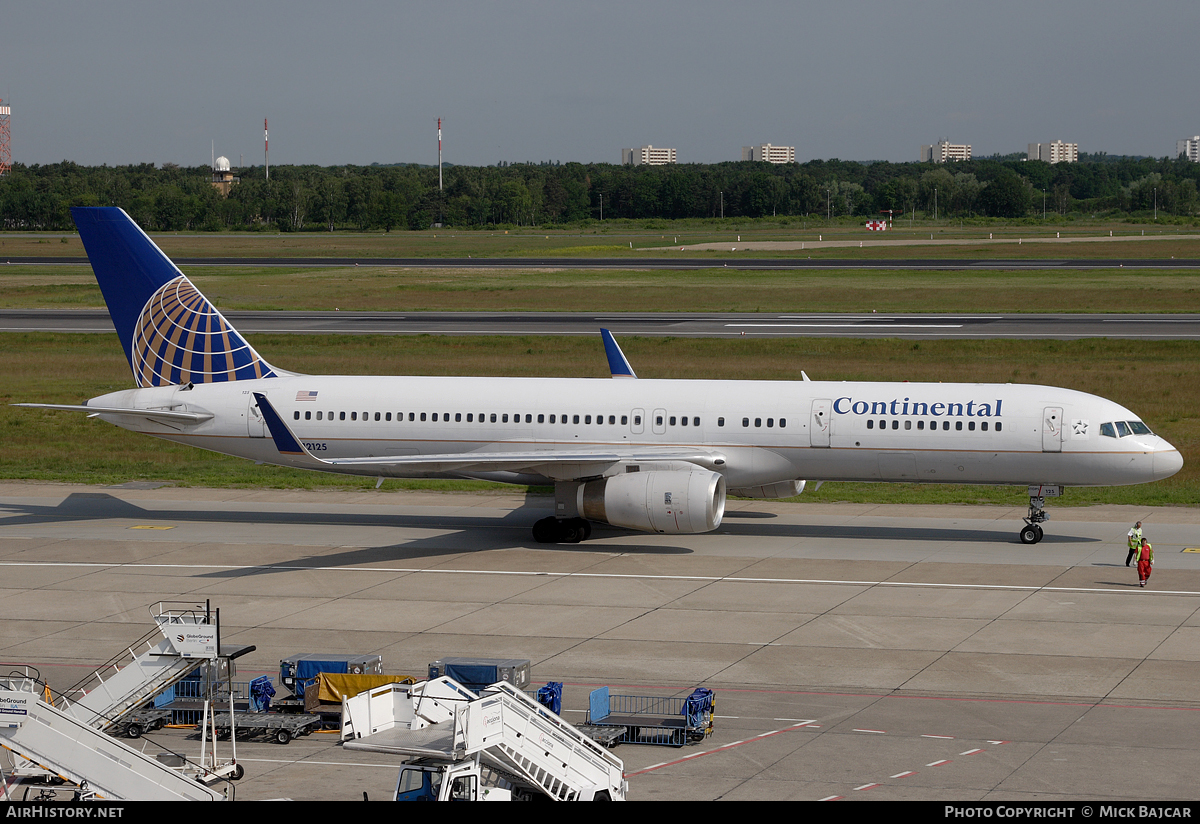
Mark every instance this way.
x=1031 y=533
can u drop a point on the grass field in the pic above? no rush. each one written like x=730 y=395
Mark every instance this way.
x=704 y=290
x=627 y=238
x=1156 y=379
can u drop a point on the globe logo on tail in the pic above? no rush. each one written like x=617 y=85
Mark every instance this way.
x=181 y=338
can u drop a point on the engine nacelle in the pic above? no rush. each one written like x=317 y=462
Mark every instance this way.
x=672 y=503
x=783 y=489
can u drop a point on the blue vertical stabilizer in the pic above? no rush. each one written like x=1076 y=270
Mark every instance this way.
x=170 y=332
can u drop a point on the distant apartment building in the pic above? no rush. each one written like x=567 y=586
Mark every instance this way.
x=1189 y=148
x=1055 y=152
x=770 y=154
x=647 y=156
x=942 y=151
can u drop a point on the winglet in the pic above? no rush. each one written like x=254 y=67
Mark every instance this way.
x=618 y=364
x=285 y=441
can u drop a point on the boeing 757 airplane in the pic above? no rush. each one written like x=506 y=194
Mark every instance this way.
x=650 y=455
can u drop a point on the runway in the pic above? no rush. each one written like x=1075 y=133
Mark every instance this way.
x=857 y=651
x=665 y=261
x=681 y=324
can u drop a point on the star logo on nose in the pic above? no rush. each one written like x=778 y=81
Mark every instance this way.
x=1080 y=427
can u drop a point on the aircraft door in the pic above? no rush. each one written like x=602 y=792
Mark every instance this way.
x=658 y=422
x=1052 y=431
x=820 y=424
x=256 y=425
x=637 y=421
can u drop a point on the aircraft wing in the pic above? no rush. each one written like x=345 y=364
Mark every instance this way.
x=161 y=415
x=560 y=464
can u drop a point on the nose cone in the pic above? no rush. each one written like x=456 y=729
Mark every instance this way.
x=1167 y=461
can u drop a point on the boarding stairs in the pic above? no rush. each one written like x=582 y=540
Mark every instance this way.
x=186 y=639
x=77 y=751
x=507 y=730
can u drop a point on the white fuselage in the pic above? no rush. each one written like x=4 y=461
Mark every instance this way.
x=767 y=431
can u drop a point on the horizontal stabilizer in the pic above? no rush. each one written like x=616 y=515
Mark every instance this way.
x=152 y=414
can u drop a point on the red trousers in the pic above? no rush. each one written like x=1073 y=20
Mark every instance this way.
x=1144 y=570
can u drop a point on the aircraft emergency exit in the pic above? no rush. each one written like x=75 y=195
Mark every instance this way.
x=652 y=455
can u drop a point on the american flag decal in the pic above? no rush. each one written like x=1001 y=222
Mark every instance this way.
x=306 y=396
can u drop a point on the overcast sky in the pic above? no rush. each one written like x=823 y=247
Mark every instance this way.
x=359 y=82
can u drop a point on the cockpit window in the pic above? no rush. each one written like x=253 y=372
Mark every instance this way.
x=1106 y=429
x=1122 y=429
x=1139 y=428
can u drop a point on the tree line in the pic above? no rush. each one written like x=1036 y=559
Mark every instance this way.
x=377 y=197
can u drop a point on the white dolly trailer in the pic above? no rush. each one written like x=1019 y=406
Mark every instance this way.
x=457 y=741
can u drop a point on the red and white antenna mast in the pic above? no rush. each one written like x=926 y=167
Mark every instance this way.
x=439 y=154
x=5 y=141
x=266 y=150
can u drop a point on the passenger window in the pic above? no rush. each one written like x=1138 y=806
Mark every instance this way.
x=422 y=415
x=624 y=420
x=587 y=418
x=945 y=426
x=958 y=426
x=920 y=426
x=542 y=419
x=388 y=416
x=895 y=424
x=971 y=426
x=683 y=421
x=720 y=421
x=783 y=423
x=296 y=415
x=308 y=416
x=870 y=424
x=504 y=418
x=354 y=416
x=435 y=416
x=770 y=423
x=575 y=419
x=493 y=417
x=672 y=420
x=745 y=421
x=470 y=417
x=757 y=422
x=908 y=424
x=612 y=419
x=376 y=416
x=457 y=417
x=552 y=419
x=412 y=416
x=998 y=425
x=320 y=415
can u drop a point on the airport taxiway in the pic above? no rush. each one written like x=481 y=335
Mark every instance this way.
x=857 y=651
x=976 y=326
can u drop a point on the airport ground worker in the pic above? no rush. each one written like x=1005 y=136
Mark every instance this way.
x=1145 y=562
x=1135 y=541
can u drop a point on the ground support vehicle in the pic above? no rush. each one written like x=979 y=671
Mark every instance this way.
x=648 y=719
x=499 y=743
x=282 y=727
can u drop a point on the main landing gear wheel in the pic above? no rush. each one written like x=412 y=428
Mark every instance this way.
x=565 y=531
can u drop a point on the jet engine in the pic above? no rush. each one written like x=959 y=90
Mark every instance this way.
x=672 y=503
